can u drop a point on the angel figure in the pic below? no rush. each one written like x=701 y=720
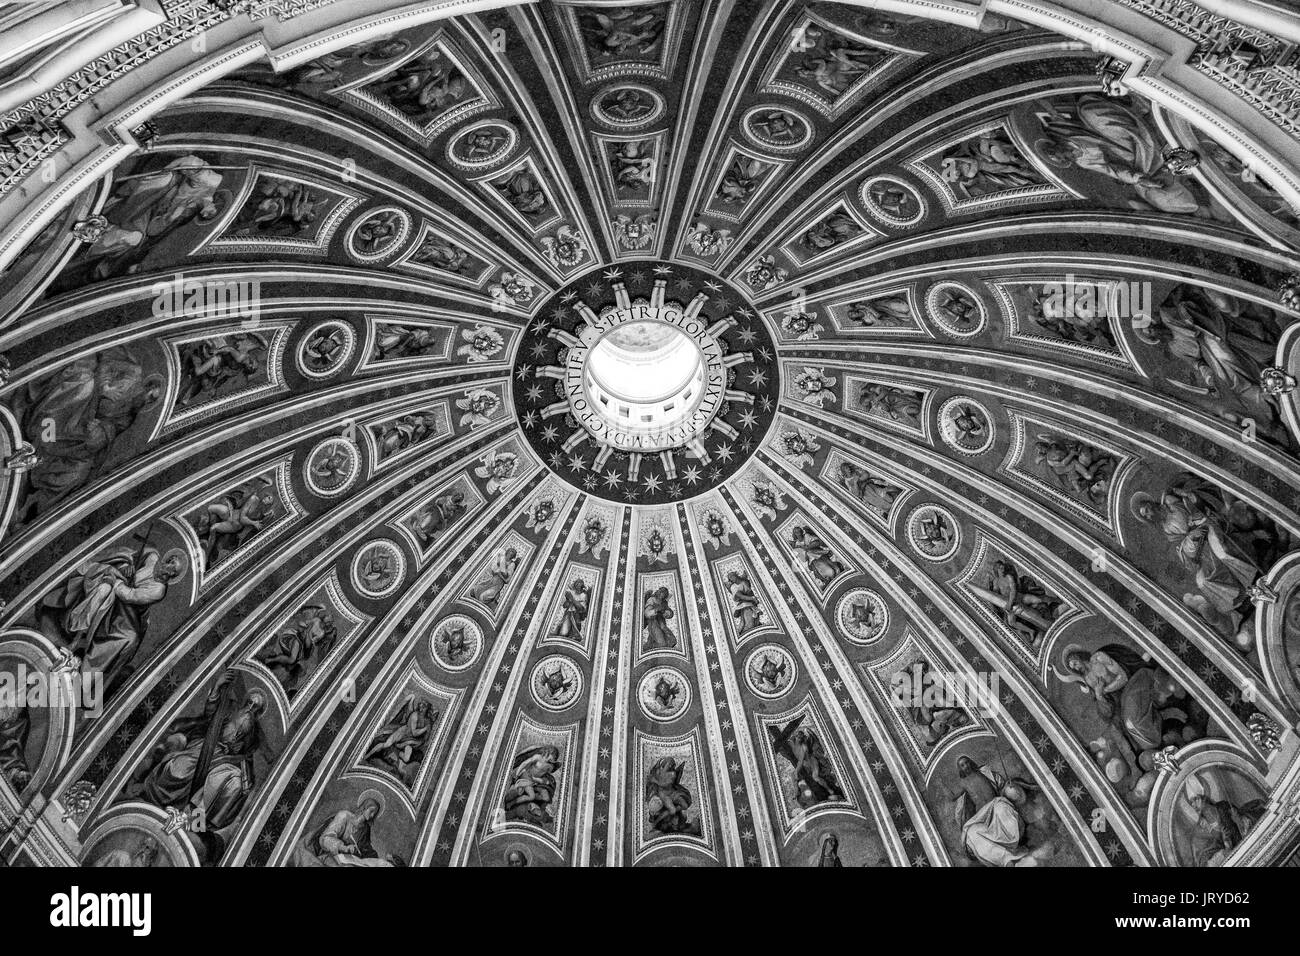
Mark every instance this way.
x=780 y=126
x=334 y=466
x=814 y=775
x=745 y=607
x=483 y=143
x=440 y=253
x=399 y=746
x=969 y=423
x=532 y=786
x=988 y=164
x=665 y=692
x=930 y=717
x=378 y=232
x=891 y=402
x=886 y=311
x=656 y=612
x=555 y=683
x=523 y=191
x=502 y=568
x=437 y=516
x=375 y=570
x=934 y=533
x=816 y=554
x=406 y=341
x=837 y=228
x=623 y=31
x=769 y=673
x=209 y=366
x=667 y=799
x=235 y=517
x=873 y=491
x=1077 y=466
x=575 y=606
x=742 y=180
x=422 y=88
x=864 y=618
x=842 y=61
x=324 y=347
x=281 y=208
x=1025 y=606
x=633 y=166
x=300 y=644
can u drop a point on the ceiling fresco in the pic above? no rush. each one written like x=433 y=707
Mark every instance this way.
x=973 y=541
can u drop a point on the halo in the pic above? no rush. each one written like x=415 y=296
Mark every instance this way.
x=1046 y=149
x=184 y=560
x=522 y=850
x=1140 y=498
x=376 y=796
x=1069 y=649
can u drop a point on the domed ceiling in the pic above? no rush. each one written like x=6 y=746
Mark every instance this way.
x=960 y=530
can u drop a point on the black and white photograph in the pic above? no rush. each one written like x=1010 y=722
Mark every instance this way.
x=738 y=434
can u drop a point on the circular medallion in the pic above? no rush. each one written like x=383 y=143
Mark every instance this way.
x=556 y=682
x=332 y=467
x=892 y=201
x=646 y=385
x=456 y=642
x=627 y=106
x=862 y=616
x=482 y=145
x=965 y=426
x=378 y=234
x=664 y=694
x=933 y=532
x=955 y=309
x=326 y=349
x=770 y=671
x=378 y=568
x=777 y=129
